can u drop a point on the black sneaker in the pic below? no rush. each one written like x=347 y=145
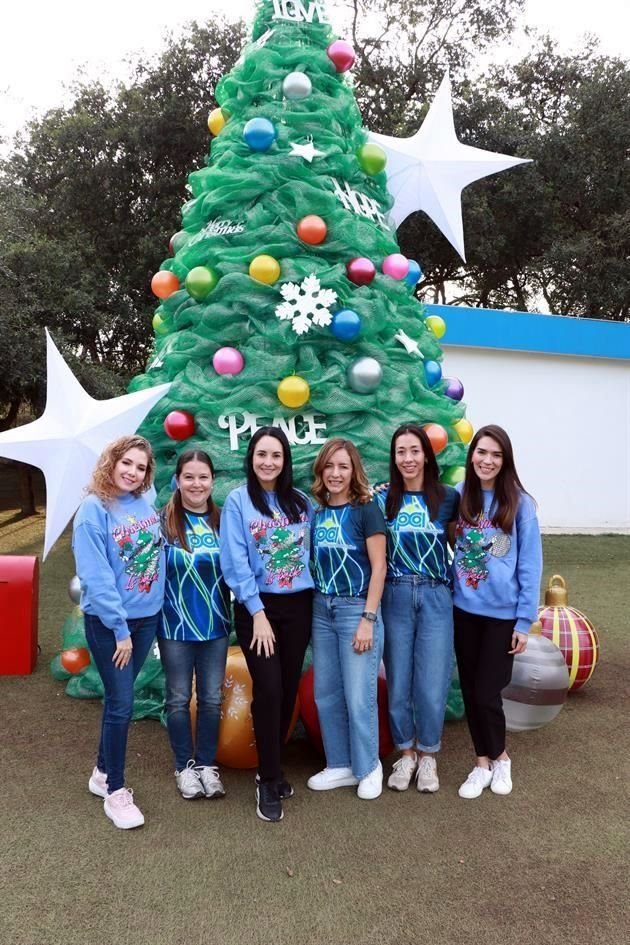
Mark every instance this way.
x=268 y=803
x=285 y=789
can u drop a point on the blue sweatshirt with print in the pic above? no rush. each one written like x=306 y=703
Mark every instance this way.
x=119 y=560
x=260 y=553
x=495 y=574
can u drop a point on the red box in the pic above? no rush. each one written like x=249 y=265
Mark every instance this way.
x=19 y=598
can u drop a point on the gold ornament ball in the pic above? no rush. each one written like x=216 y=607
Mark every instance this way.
x=216 y=121
x=293 y=391
x=437 y=325
x=265 y=269
x=464 y=430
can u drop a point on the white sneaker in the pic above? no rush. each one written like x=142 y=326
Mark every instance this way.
x=371 y=786
x=121 y=809
x=402 y=773
x=210 y=781
x=501 y=777
x=331 y=778
x=98 y=783
x=476 y=782
x=189 y=783
x=427 y=778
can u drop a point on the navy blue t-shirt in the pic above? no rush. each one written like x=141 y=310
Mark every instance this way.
x=416 y=544
x=341 y=562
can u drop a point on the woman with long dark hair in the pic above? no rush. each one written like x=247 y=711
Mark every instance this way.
x=497 y=571
x=265 y=546
x=195 y=625
x=417 y=605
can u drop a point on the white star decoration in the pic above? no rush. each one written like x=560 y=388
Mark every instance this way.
x=306 y=151
x=429 y=170
x=411 y=346
x=67 y=439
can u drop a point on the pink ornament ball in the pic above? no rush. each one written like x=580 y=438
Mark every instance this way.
x=396 y=266
x=342 y=55
x=361 y=270
x=228 y=361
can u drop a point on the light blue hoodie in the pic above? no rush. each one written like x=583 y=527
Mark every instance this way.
x=495 y=574
x=119 y=559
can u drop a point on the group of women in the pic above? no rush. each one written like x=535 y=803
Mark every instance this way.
x=366 y=574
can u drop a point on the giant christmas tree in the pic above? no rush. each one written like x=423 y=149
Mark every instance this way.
x=286 y=299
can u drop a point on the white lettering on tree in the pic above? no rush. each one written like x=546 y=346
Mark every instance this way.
x=301 y=430
x=298 y=12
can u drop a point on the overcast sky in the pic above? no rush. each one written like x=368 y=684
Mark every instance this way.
x=45 y=43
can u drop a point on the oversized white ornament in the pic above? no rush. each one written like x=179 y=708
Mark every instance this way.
x=296 y=86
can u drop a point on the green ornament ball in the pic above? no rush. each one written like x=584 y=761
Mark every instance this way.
x=372 y=159
x=200 y=282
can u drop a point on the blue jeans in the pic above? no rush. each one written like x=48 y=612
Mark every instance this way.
x=180 y=658
x=118 y=685
x=345 y=684
x=418 y=656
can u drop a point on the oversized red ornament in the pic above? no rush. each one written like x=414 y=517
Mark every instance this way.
x=312 y=230
x=571 y=631
x=164 y=283
x=75 y=659
x=342 y=55
x=310 y=718
x=179 y=425
x=361 y=270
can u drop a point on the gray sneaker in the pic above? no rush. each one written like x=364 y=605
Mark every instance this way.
x=426 y=778
x=189 y=782
x=210 y=781
x=402 y=773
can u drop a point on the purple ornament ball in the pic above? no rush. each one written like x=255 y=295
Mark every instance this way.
x=454 y=388
x=228 y=361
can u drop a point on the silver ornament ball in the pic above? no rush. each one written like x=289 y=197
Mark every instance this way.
x=74 y=590
x=539 y=685
x=364 y=375
x=297 y=85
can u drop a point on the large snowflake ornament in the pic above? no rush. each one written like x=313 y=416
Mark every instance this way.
x=306 y=304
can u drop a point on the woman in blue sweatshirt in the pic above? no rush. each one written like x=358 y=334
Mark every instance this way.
x=497 y=570
x=265 y=543
x=120 y=564
x=193 y=634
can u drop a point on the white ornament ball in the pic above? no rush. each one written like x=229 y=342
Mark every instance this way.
x=297 y=85
x=364 y=375
x=539 y=685
x=74 y=590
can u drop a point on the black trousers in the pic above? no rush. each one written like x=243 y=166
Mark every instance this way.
x=275 y=679
x=485 y=669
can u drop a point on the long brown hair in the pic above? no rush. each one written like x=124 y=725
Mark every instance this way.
x=508 y=488
x=102 y=482
x=174 y=511
x=431 y=486
x=359 y=486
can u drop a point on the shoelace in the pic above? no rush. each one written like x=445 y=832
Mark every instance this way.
x=475 y=775
x=124 y=799
x=425 y=765
x=212 y=773
x=402 y=761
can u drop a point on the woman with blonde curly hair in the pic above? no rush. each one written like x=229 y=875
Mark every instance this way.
x=120 y=564
x=349 y=571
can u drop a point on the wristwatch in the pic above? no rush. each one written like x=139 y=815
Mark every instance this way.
x=369 y=615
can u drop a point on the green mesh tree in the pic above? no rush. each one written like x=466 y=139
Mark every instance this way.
x=287 y=300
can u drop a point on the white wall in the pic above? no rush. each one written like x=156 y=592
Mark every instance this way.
x=569 y=421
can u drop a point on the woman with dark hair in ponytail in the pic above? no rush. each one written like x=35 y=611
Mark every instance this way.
x=265 y=544
x=193 y=636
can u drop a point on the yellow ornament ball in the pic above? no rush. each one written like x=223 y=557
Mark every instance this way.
x=216 y=121
x=265 y=269
x=437 y=325
x=464 y=430
x=293 y=391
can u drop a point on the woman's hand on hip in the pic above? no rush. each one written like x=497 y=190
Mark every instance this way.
x=264 y=638
x=519 y=643
x=122 y=653
x=364 y=637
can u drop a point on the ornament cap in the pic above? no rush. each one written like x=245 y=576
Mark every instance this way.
x=556 y=594
x=535 y=629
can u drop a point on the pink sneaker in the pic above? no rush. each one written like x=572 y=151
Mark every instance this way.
x=98 y=783
x=121 y=809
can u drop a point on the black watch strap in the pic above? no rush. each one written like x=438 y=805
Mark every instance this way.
x=369 y=615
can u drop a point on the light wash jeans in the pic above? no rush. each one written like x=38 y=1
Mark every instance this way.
x=418 y=656
x=345 y=684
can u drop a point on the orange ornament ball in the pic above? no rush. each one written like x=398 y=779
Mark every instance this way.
x=164 y=283
x=75 y=659
x=437 y=435
x=312 y=230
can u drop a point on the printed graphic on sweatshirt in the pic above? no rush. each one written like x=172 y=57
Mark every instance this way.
x=139 y=549
x=281 y=545
x=475 y=547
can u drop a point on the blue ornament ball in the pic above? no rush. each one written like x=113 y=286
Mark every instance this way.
x=414 y=275
x=346 y=325
x=259 y=134
x=432 y=372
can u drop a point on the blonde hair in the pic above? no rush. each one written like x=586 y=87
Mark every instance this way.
x=359 y=486
x=102 y=482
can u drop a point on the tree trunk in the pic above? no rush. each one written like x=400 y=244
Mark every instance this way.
x=9 y=419
x=27 y=491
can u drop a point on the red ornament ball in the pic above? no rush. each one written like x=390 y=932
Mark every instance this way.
x=342 y=55
x=361 y=270
x=75 y=659
x=571 y=631
x=179 y=425
x=312 y=230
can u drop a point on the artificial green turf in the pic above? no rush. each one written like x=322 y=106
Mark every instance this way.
x=546 y=865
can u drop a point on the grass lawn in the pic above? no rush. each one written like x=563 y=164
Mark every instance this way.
x=546 y=865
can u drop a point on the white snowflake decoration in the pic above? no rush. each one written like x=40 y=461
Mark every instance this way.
x=306 y=304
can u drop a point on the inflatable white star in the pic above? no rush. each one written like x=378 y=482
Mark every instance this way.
x=67 y=439
x=429 y=170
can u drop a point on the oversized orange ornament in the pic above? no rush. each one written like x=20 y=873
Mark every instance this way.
x=437 y=435
x=164 y=283
x=75 y=659
x=312 y=229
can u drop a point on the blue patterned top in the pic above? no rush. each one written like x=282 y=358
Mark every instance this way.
x=196 y=599
x=340 y=558
x=415 y=543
